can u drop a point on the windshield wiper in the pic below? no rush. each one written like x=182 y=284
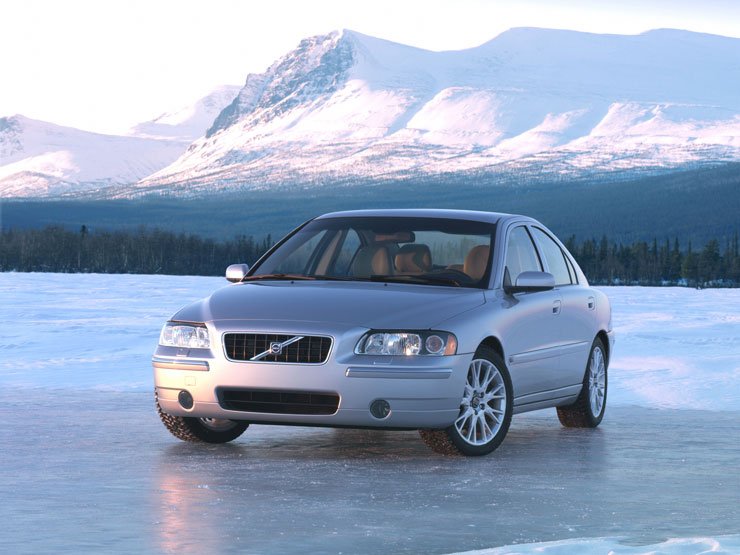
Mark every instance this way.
x=293 y=277
x=417 y=279
x=382 y=278
x=337 y=278
x=286 y=277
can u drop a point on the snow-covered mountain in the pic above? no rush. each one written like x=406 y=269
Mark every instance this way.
x=41 y=159
x=345 y=106
x=191 y=122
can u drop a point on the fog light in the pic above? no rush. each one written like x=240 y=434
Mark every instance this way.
x=380 y=409
x=185 y=399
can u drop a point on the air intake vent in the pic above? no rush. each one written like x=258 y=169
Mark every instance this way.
x=278 y=402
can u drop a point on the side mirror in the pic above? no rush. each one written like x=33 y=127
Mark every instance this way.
x=529 y=282
x=236 y=272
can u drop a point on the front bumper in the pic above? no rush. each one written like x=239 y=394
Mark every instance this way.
x=423 y=392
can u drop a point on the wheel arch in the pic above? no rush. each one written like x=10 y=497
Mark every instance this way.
x=605 y=340
x=493 y=342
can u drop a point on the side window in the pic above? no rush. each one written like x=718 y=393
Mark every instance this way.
x=521 y=255
x=350 y=246
x=554 y=256
x=298 y=260
x=571 y=270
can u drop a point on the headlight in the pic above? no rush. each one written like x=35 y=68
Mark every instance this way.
x=191 y=336
x=429 y=343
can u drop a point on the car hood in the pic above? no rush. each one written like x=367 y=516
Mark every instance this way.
x=371 y=305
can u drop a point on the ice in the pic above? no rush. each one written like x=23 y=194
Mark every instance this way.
x=86 y=466
x=87 y=331
x=87 y=471
x=676 y=347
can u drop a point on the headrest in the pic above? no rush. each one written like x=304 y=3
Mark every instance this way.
x=413 y=258
x=371 y=260
x=476 y=261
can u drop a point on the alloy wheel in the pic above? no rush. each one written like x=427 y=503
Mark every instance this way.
x=597 y=381
x=483 y=406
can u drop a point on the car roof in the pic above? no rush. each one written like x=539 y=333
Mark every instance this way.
x=474 y=215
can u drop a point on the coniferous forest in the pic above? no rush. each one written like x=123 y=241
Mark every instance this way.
x=145 y=251
x=154 y=251
x=658 y=263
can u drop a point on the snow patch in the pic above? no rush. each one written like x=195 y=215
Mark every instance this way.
x=722 y=545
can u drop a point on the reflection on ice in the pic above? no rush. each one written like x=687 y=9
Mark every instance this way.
x=95 y=471
x=180 y=505
x=359 y=491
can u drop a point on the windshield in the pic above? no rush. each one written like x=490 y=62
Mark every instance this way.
x=428 y=251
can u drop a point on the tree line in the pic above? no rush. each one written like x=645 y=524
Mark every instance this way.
x=154 y=251
x=145 y=251
x=658 y=263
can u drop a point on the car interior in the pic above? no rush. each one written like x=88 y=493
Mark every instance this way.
x=413 y=259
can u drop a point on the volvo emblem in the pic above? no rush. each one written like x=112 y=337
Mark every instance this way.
x=276 y=348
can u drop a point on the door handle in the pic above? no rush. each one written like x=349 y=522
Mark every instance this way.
x=591 y=303
x=556 y=307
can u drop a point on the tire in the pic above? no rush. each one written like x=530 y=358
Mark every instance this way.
x=201 y=430
x=485 y=410
x=588 y=410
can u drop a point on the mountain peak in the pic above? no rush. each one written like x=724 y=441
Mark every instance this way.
x=13 y=121
x=8 y=123
x=18 y=124
x=317 y=67
x=190 y=122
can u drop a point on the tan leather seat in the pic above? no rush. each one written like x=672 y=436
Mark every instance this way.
x=413 y=259
x=372 y=260
x=477 y=261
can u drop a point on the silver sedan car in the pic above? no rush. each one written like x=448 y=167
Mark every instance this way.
x=445 y=321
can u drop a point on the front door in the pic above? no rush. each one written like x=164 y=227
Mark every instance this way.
x=576 y=327
x=531 y=330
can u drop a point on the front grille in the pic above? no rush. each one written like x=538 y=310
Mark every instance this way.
x=278 y=402
x=247 y=346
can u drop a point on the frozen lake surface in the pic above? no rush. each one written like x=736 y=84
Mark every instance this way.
x=96 y=472
x=676 y=348
x=87 y=467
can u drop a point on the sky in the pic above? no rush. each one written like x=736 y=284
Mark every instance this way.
x=106 y=65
